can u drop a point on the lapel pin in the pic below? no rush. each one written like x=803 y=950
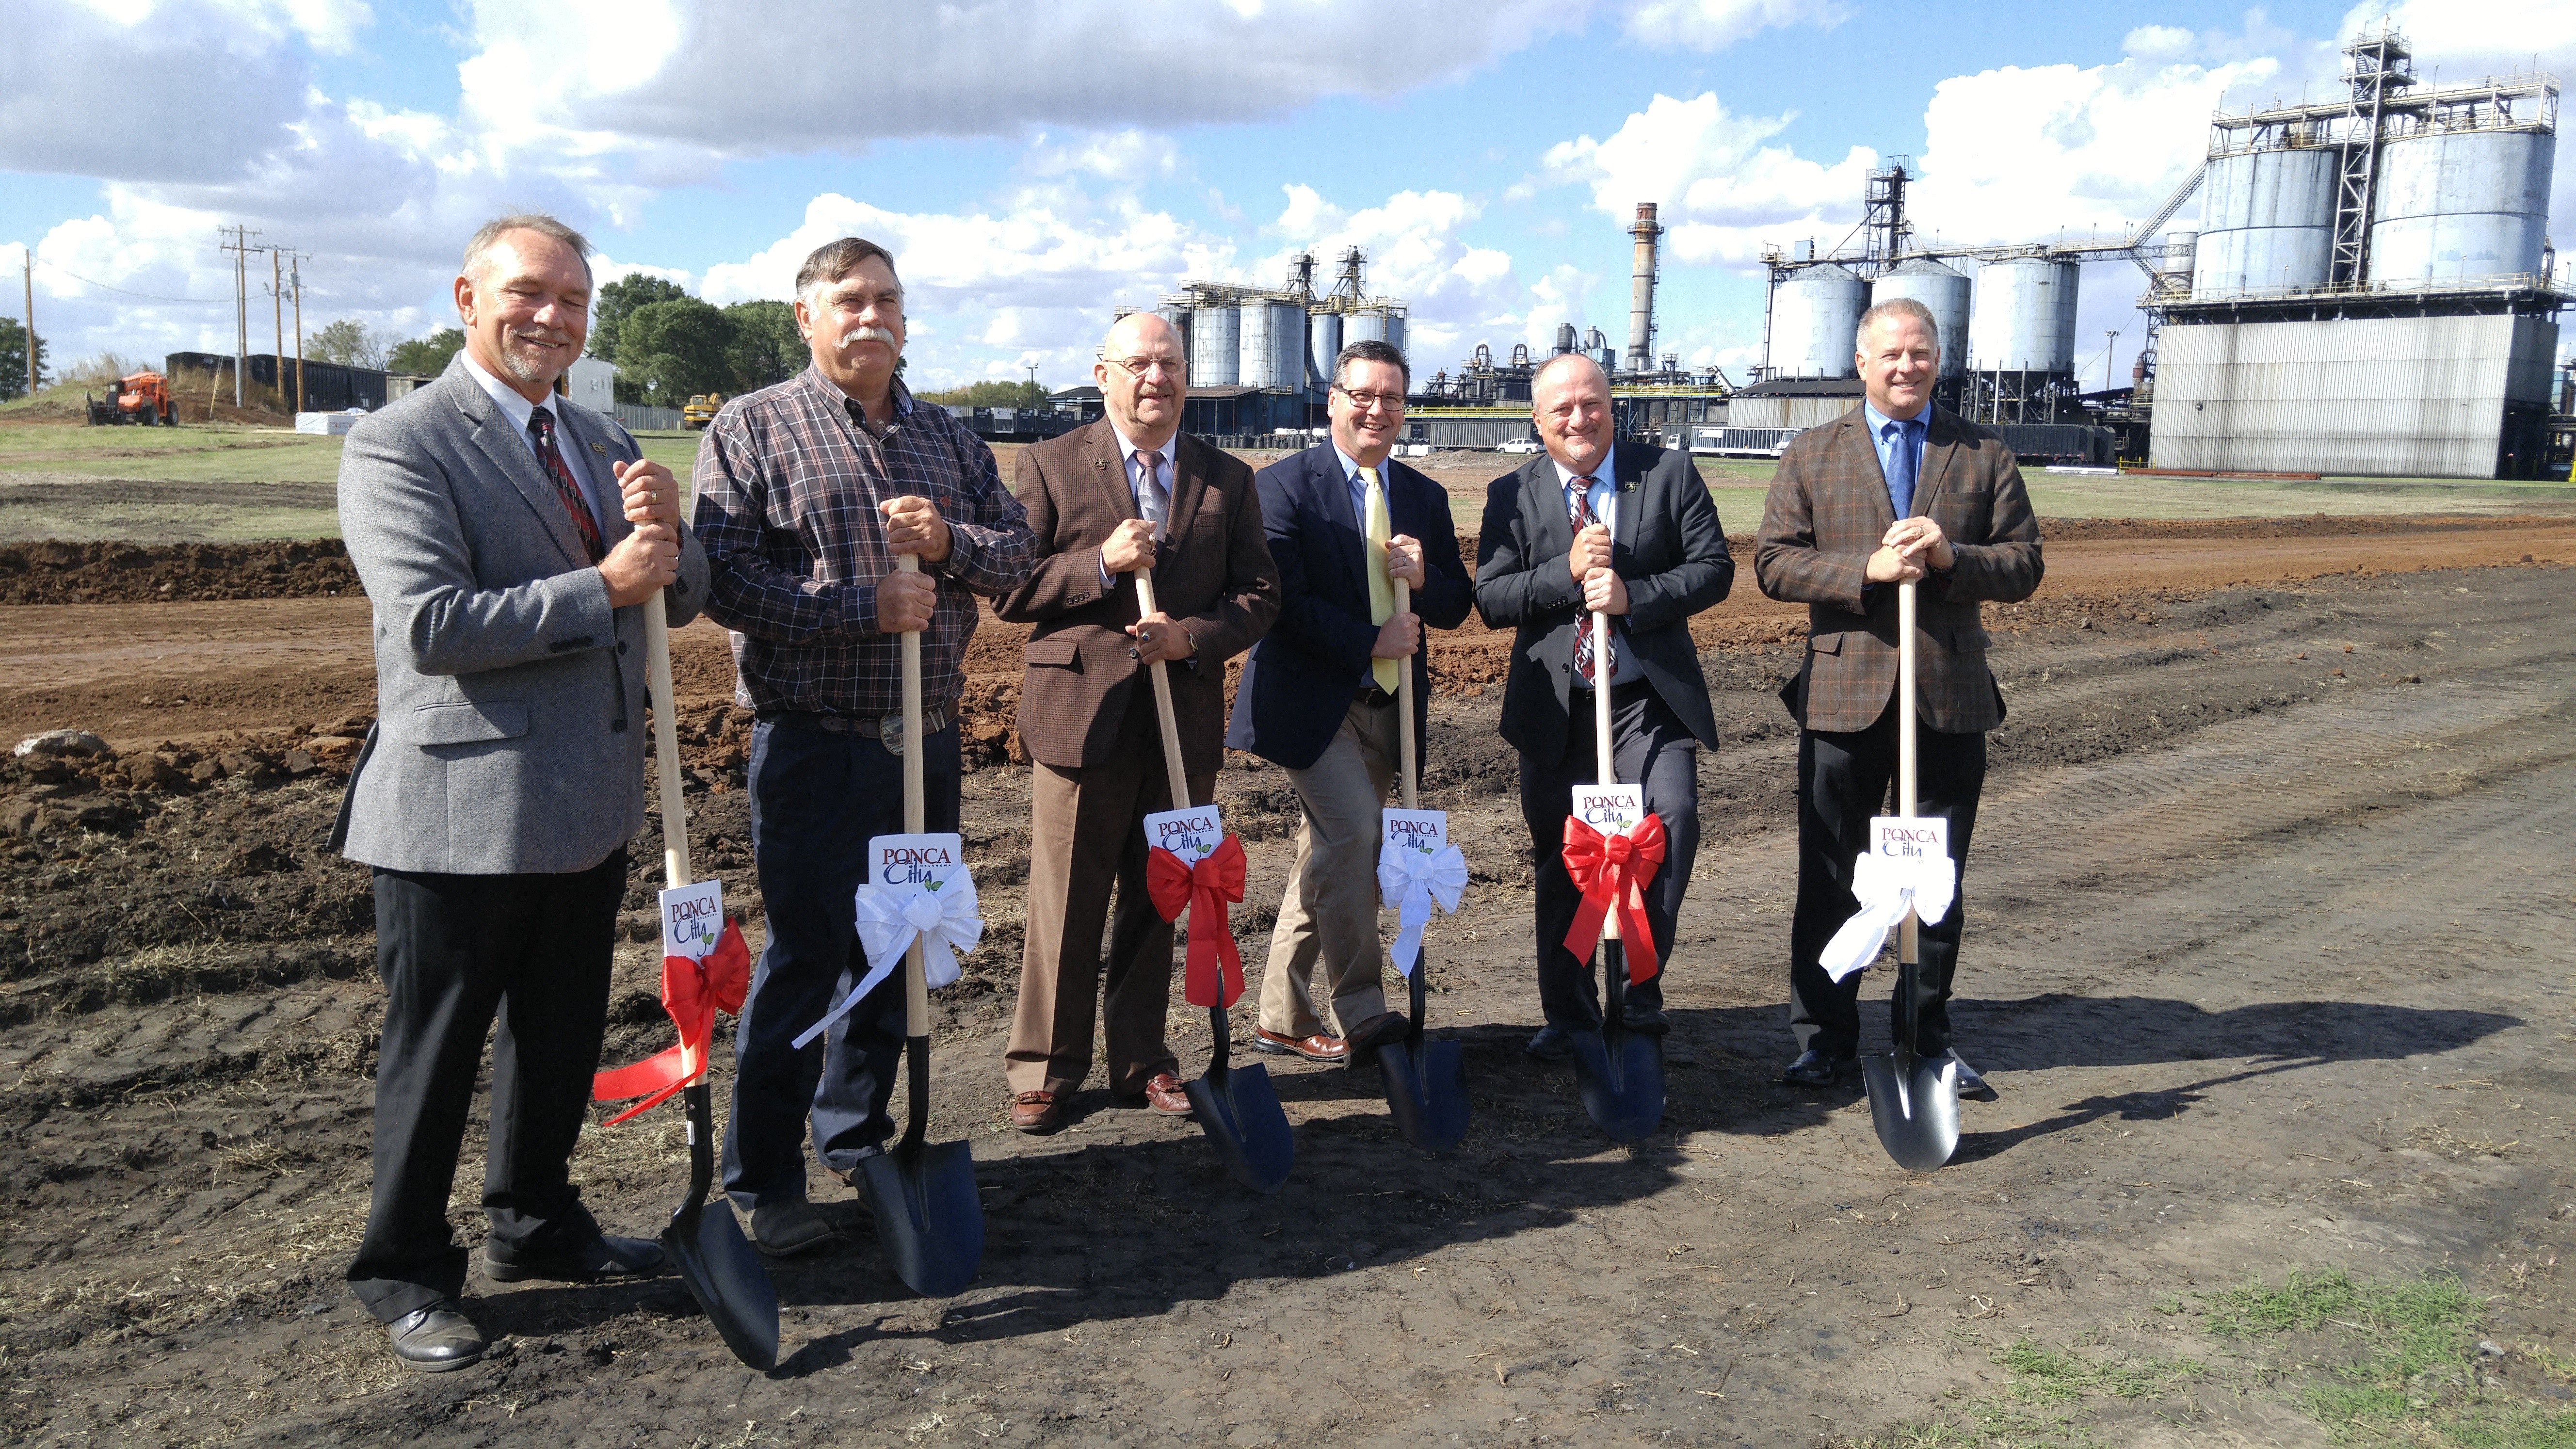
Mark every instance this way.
x=1100 y=464
x=599 y=447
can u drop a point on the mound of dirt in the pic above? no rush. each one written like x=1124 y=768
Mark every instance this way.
x=126 y=573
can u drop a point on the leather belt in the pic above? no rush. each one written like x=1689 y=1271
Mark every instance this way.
x=934 y=718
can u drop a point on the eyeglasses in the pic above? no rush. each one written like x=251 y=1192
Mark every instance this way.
x=1369 y=401
x=1148 y=366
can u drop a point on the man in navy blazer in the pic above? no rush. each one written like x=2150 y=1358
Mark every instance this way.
x=1318 y=695
x=1648 y=550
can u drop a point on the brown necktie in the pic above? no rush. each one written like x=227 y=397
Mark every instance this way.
x=542 y=423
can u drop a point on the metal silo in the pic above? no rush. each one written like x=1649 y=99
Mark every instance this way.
x=2266 y=222
x=1323 y=345
x=1945 y=292
x=2182 y=250
x=2455 y=205
x=1814 y=314
x=1216 y=338
x=1271 y=343
x=2024 y=316
x=1178 y=314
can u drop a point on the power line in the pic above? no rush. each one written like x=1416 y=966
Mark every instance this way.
x=120 y=291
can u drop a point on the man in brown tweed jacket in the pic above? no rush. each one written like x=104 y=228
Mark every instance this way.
x=1126 y=491
x=1894 y=491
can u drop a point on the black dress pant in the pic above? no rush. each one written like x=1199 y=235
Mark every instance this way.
x=1649 y=745
x=458 y=953
x=817 y=798
x=1843 y=780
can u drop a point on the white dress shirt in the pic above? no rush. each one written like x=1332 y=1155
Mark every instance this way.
x=518 y=409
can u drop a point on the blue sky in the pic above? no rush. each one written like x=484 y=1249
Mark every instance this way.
x=1035 y=164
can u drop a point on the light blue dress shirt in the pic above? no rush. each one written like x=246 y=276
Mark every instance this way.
x=1887 y=436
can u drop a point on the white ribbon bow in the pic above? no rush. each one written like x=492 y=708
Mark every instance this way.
x=1888 y=886
x=1410 y=880
x=892 y=917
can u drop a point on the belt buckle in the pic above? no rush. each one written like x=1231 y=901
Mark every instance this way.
x=890 y=733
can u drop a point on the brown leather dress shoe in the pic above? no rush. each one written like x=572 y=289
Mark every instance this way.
x=1163 y=1094
x=1036 y=1112
x=1316 y=1048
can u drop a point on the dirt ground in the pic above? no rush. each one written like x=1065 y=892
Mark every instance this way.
x=2269 y=959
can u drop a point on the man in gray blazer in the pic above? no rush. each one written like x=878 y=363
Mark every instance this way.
x=506 y=536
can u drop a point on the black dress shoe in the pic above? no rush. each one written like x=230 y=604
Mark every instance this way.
x=601 y=1260
x=1648 y=1021
x=436 y=1339
x=1813 y=1069
x=1550 y=1045
x=1970 y=1084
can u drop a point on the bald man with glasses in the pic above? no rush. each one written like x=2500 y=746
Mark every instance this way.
x=1126 y=492
x=1319 y=695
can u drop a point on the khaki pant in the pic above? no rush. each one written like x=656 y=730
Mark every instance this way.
x=1328 y=915
x=1087 y=833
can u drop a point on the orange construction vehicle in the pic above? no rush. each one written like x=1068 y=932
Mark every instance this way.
x=139 y=397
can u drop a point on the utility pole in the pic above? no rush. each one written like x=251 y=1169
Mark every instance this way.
x=277 y=316
x=29 y=255
x=2107 y=360
x=296 y=273
x=241 y=249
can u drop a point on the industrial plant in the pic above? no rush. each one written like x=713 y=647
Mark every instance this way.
x=2369 y=290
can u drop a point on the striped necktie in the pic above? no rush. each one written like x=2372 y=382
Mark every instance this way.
x=542 y=424
x=1579 y=508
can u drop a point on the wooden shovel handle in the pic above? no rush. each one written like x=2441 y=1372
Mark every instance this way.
x=916 y=980
x=666 y=742
x=1163 y=701
x=1404 y=698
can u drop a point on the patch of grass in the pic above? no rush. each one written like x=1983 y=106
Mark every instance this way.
x=2048 y=1376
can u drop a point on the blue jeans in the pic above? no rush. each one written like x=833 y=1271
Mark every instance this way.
x=817 y=797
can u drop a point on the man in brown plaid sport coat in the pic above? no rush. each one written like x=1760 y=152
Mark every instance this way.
x=1894 y=491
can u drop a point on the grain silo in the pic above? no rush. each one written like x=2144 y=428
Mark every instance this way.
x=1944 y=292
x=1216 y=338
x=1814 y=314
x=1271 y=342
x=2267 y=221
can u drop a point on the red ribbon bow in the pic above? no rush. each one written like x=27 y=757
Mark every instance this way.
x=1209 y=885
x=692 y=992
x=1609 y=868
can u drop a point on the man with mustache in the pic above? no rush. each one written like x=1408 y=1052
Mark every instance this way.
x=508 y=538
x=1126 y=492
x=1895 y=491
x=1318 y=696
x=807 y=493
x=1626 y=529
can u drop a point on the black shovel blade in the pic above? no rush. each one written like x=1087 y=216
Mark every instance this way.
x=725 y=1275
x=1426 y=1091
x=928 y=1216
x=1620 y=1075
x=1914 y=1103
x=1239 y=1110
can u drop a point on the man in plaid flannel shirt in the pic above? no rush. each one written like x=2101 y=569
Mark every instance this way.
x=806 y=493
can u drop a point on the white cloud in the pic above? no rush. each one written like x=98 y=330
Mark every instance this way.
x=1717 y=24
x=2157 y=42
x=1720 y=190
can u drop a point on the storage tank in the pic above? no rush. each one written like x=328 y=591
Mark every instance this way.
x=1565 y=339
x=1178 y=314
x=2182 y=246
x=1942 y=289
x=1323 y=345
x=1375 y=322
x=2024 y=316
x=2266 y=221
x=2454 y=205
x=1271 y=343
x=1814 y=313
x=1216 y=334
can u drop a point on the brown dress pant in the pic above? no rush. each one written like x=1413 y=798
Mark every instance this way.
x=1086 y=833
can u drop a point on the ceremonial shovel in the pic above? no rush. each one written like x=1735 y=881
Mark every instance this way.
x=722 y=1270
x=1426 y=1082
x=1619 y=1073
x=923 y=1194
x=1236 y=1106
x=1913 y=1100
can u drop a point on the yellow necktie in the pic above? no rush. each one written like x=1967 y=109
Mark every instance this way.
x=1376 y=530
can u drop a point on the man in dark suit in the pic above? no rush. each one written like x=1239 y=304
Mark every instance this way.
x=1125 y=492
x=1627 y=530
x=1894 y=491
x=508 y=538
x=1318 y=695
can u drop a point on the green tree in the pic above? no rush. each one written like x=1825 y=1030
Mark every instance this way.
x=347 y=343
x=13 y=359
x=673 y=349
x=763 y=346
x=621 y=299
x=426 y=356
x=991 y=395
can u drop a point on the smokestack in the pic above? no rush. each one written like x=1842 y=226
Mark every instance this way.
x=1641 y=290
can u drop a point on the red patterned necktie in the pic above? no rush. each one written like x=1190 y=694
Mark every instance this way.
x=542 y=423
x=1579 y=507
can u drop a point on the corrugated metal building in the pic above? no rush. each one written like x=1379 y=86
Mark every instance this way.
x=2442 y=397
x=1792 y=402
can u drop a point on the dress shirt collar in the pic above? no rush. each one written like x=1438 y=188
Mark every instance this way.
x=1878 y=421
x=513 y=406
x=1163 y=455
x=1601 y=474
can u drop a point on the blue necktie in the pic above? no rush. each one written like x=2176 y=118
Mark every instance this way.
x=1900 y=467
